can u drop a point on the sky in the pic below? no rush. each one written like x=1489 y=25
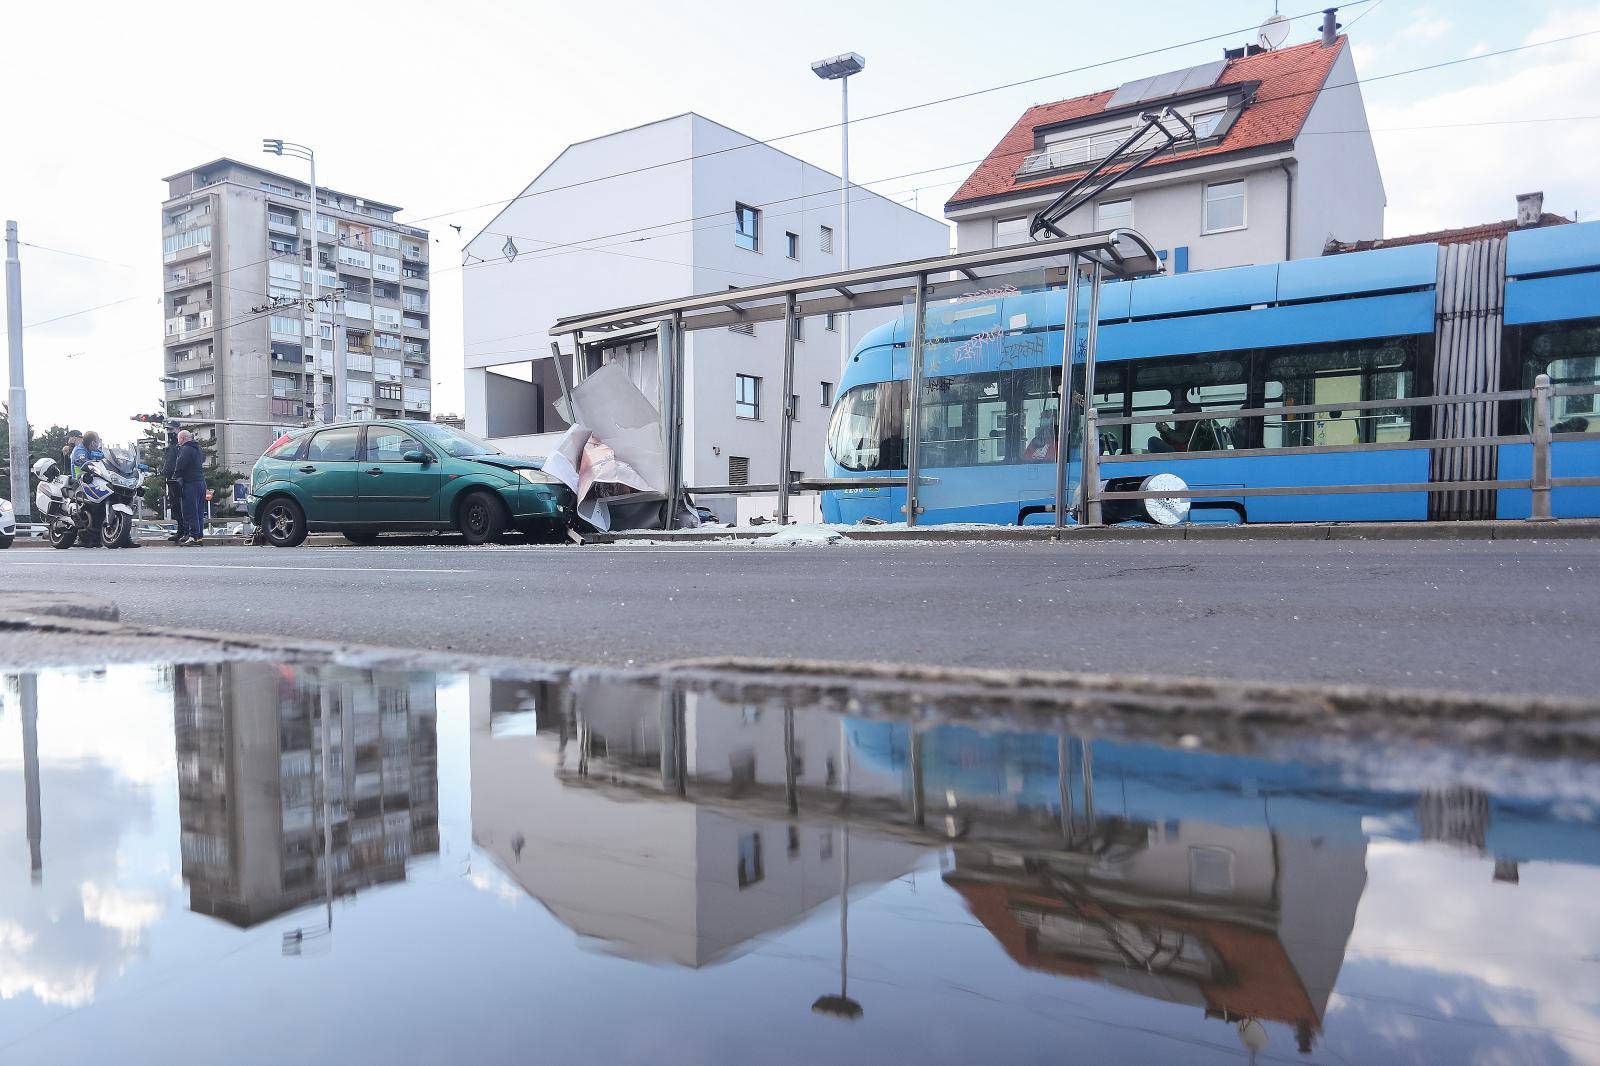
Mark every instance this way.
x=451 y=109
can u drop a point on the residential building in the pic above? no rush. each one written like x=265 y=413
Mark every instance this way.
x=236 y=237
x=1530 y=215
x=666 y=210
x=257 y=805
x=1284 y=162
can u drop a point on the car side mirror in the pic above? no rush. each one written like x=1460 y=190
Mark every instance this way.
x=417 y=456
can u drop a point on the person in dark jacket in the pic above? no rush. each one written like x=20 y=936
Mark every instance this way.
x=174 y=487
x=74 y=438
x=189 y=469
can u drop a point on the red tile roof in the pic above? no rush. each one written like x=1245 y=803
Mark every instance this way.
x=1461 y=235
x=1289 y=79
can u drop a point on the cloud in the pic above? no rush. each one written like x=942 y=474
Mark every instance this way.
x=1442 y=177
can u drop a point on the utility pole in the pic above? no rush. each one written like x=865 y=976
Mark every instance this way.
x=279 y=146
x=18 y=404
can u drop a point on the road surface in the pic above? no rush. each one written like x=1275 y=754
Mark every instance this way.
x=1515 y=616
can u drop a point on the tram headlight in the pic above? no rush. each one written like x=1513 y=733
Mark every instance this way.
x=1161 y=510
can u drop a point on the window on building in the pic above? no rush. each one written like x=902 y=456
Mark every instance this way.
x=825 y=239
x=791 y=243
x=1224 y=206
x=1009 y=231
x=738 y=470
x=750 y=869
x=747 y=227
x=747 y=396
x=827 y=394
x=1205 y=122
x=830 y=322
x=1113 y=214
x=799 y=328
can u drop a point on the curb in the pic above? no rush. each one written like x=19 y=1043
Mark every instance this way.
x=1567 y=529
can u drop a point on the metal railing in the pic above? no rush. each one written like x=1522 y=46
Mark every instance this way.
x=1540 y=482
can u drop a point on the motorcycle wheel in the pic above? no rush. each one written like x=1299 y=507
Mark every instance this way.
x=117 y=532
x=62 y=536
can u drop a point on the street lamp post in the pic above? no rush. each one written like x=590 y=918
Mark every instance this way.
x=279 y=146
x=839 y=68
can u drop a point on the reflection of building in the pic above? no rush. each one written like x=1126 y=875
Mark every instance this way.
x=575 y=794
x=1241 y=922
x=257 y=811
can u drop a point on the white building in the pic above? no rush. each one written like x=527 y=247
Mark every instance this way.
x=1284 y=162
x=671 y=209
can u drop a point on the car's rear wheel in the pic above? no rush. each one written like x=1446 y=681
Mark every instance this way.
x=481 y=517
x=360 y=536
x=284 y=522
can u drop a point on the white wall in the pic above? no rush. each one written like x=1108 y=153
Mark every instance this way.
x=1169 y=211
x=798 y=198
x=1338 y=186
x=509 y=306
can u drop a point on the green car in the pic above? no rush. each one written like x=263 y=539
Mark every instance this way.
x=366 y=478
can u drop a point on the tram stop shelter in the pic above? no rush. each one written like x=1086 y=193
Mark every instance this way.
x=917 y=286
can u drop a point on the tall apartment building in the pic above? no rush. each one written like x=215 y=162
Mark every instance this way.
x=236 y=236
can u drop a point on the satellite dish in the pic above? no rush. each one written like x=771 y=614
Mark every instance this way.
x=1274 y=32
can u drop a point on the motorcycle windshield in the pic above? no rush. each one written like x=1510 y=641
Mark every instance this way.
x=122 y=460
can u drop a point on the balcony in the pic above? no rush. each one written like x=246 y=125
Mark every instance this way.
x=415 y=303
x=282 y=223
x=181 y=326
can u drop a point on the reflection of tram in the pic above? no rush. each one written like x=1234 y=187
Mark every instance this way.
x=1355 y=328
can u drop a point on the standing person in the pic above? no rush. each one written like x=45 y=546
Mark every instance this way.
x=189 y=469
x=174 y=487
x=74 y=437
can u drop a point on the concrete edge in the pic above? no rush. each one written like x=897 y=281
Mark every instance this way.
x=1565 y=529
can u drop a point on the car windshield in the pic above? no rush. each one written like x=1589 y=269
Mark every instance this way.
x=457 y=442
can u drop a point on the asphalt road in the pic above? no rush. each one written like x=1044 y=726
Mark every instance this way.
x=1518 y=616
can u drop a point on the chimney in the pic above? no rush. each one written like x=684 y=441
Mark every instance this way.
x=1330 y=26
x=1530 y=208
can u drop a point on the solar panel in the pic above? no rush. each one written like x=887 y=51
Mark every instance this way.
x=1171 y=83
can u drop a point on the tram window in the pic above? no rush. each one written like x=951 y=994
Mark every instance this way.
x=1038 y=392
x=1377 y=370
x=1110 y=399
x=867 y=431
x=964 y=421
x=1570 y=354
x=1203 y=384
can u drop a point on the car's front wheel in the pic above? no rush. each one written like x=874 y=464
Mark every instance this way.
x=284 y=523
x=481 y=517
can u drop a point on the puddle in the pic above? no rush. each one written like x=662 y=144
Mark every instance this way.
x=615 y=871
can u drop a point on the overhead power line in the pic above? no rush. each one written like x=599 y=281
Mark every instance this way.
x=939 y=101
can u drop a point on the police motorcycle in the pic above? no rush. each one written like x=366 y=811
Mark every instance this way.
x=97 y=508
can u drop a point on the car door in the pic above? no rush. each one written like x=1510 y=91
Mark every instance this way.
x=392 y=491
x=327 y=475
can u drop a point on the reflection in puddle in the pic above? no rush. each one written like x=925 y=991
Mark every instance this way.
x=625 y=871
